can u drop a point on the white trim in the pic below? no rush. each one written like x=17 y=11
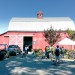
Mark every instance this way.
x=18 y=35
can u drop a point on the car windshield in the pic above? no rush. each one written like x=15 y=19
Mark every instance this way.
x=13 y=46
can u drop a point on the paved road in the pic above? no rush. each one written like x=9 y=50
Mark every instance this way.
x=35 y=66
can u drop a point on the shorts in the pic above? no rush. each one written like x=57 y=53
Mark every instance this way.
x=57 y=58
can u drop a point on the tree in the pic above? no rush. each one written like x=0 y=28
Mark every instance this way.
x=51 y=36
x=71 y=34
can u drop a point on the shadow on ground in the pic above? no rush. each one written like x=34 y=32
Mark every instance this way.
x=35 y=66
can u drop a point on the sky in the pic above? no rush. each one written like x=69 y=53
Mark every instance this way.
x=29 y=9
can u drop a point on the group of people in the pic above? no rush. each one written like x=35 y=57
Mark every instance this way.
x=49 y=53
x=58 y=51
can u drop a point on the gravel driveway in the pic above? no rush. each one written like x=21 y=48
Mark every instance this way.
x=30 y=65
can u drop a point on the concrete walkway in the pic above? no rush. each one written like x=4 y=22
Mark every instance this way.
x=30 y=65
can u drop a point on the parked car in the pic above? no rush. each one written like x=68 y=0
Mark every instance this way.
x=14 y=48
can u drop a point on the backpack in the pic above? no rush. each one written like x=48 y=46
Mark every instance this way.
x=57 y=53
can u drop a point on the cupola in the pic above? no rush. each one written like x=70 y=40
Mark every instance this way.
x=40 y=15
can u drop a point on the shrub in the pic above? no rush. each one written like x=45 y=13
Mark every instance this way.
x=37 y=52
x=70 y=54
x=7 y=54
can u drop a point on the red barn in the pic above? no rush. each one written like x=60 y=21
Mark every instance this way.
x=29 y=31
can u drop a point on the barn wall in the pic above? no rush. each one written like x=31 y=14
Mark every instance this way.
x=38 y=39
x=4 y=39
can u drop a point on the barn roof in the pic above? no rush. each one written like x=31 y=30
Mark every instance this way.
x=35 y=24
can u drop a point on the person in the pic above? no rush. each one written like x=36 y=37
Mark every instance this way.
x=26 y=49
x=47 y=51
x=50 y=52
x=62 y=52
x=57 y=54
x=50 y=49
